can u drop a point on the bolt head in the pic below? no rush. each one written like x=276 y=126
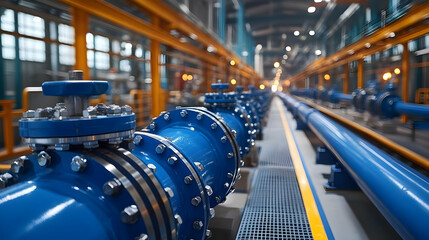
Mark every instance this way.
x=188 y=180
x=178 y=219
x=199 y=166
x=44 y=159
x=137 y=139
x=20 y=165
x=142 y=236
x=29 y=114
x=152 y=126
x=166 y=117
x=130 y=214
x=230 y=155
x=208 y=234
x=226 y=185
x=183 y=113
x=230 y=175
x=172 y=160
x=209 y=190
x=213 y=126
x=6 y=180
x=160 y=148
x=196 y=201
x=112 y=187
x=223 y=139
x=169 y=192
x=217 y=199
x=199 y=116
x=152 y=167
x=197 y=225
x=78 y=164
x=91 y=144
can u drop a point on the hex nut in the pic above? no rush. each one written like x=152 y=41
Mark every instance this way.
x=130 y=214
x=196 y=200
x=172 y=160
x=78 y=164
x=44 y=159
x=160 y=148
x=188 y=180
x=112 y=187
x=197 y=225
x=20 y=165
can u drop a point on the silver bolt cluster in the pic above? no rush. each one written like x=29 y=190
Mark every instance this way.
x=20 y=165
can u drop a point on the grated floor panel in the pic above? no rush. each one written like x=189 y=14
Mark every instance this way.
x=274 y=209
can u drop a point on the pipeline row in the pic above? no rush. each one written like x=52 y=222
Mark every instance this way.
x=92 y=176
x=399 y=192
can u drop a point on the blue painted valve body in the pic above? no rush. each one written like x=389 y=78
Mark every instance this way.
x=102 y=180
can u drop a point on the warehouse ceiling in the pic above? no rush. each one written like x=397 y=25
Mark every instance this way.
x=274 y=22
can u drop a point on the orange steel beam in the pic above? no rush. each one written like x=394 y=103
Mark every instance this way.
x=346 y=78
x=155 y=51
x=360 y=74
x=80 y=22
x=405 y=77
x=117 y=16
x=409 y=23
x=208 y=78
x=405 y=152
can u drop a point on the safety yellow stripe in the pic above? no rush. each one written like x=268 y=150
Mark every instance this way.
x=314 y=219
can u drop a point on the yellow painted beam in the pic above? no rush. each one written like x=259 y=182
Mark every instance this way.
x=360 y=74
x=405 y=152
x=405 y=77
x=117 y=16
x=316 y=224
x=409 y=27
x=80 y=22
x=346 y=78
x=155 y=51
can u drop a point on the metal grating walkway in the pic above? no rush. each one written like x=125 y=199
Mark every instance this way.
x=275 y=209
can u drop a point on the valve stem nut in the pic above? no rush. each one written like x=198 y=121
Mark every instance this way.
x=197 y=225
x=20 y=165
x=78 y=164
x=44 y=159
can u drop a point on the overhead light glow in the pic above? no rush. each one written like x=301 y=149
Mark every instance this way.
x=397 y=71
x=185 y=77
x=288 y=48
x=283 y=61
x=262 y=86
x=37 y=19
x=296 y=33
x=258 y=47
x=317 y=1
x=318 y=52
x=276 y=64
x=285 y=57
x=190 y=77
x=311 y=32
x=244 y=53
x=327 y=77
x=232 y=62
x=311 y=9
x=387 y=76
x=233 y=81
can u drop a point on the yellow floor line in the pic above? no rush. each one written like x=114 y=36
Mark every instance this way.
x=314 y=219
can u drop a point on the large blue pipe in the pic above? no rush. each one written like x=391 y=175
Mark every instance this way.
x=412 y=109
x=400 y=193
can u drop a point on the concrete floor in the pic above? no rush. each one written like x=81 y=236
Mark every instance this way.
x=350 y=214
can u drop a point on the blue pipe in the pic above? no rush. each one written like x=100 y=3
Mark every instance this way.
x=412 y=109
x=343 y=97
x=400 y=193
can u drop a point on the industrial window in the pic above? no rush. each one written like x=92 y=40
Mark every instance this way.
x=124 y=66
x=8 y=46
x=65 y=33
x=147 y=65
x=102 y=60
x=8 y=21
x=139 y=51
x=31 y=25
x=67 y=56
x=90 y=58
x=101 y=43
x=126 y=48
x=31 y=50
x=116 y=46
x=90 y=41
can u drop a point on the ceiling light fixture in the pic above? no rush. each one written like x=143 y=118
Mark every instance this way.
x=296 y=33
x=318 y=52
x=311 y=9
x=288 y=48
x=311 y=32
